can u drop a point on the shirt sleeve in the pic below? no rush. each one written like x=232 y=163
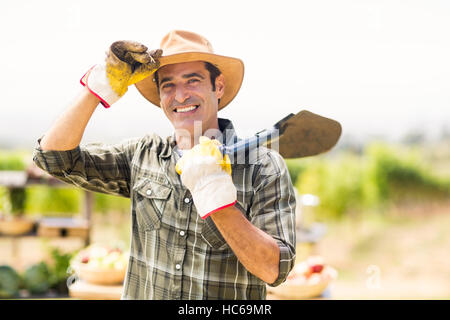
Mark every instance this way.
x=94 y=167
x=273 y=209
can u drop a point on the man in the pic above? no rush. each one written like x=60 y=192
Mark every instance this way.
x=201 y=228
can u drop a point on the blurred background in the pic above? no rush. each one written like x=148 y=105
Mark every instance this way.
x=380 y=213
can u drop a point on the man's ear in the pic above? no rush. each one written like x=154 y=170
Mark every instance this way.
x=220 y=86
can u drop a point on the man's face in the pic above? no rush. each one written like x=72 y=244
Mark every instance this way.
x=187 y=95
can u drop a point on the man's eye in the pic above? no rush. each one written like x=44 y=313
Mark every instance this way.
x=167 y=85
x=193 y=80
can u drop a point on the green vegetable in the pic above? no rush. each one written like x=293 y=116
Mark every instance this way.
x=59 y=270
x=9 y=282
x=37 y=278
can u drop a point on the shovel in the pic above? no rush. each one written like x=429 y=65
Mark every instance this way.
x=298 y=135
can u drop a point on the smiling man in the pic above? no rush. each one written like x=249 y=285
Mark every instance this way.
x=189 y=97
x=202 y=227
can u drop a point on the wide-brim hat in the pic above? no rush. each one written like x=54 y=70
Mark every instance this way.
x=183 y=46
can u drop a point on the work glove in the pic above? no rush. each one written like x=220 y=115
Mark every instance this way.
x=207 y=175
x=126 y=63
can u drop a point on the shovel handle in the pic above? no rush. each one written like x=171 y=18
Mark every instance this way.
x=259 y=139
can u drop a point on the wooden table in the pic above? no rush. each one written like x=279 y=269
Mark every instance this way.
x=326 y=295
x=88 y=291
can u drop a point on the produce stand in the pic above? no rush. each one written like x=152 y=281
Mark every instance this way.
x=48 y=227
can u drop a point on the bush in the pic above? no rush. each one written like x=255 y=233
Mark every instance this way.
x=296 y=167
x=400 y=175
x=18 y=199
x=338 y=183
x=15 y=198
x=12 y=160
x=380 y=177
x=45 y=200
x=105 y=203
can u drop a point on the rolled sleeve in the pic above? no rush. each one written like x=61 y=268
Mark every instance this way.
x=287 y=261
x=94 y=167
x=56 y=163
x=273 y=210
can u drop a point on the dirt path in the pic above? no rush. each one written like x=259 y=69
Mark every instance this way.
x=405 y=257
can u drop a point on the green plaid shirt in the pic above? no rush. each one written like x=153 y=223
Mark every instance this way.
x=175 y=254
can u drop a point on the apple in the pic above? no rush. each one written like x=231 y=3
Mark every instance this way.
x=317 y=268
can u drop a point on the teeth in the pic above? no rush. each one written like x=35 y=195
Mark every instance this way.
x=186 y=109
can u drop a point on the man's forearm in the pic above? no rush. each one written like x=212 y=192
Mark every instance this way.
x=255 y=249
x=66 y=133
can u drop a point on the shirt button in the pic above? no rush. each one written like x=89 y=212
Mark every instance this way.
x=177 y=266
x=186 y=200
x=182 y=233
x=149 y=192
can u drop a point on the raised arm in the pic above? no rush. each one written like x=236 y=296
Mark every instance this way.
x=96 y=167
x=67 y=132
x=126 y=63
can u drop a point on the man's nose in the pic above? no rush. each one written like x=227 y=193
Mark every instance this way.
x=181 y=94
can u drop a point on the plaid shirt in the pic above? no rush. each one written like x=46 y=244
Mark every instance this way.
x=175 y=254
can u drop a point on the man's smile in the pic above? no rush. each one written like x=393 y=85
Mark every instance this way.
x=186 y=109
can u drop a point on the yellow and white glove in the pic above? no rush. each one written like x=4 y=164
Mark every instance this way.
x=126 y=63
x=207 y=174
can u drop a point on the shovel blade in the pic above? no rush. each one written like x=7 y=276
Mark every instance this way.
x=307 y=134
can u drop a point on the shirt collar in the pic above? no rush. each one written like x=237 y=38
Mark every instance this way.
x=228 y=136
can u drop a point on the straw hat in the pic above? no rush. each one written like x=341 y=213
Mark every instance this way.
x=183 y=46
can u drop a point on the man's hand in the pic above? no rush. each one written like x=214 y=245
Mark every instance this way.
x=126 y=63
x=207 y=174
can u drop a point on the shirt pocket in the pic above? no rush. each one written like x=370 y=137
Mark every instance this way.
x=212 y=236
x=151 y=198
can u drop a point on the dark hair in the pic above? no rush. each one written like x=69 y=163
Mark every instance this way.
x=214 y=72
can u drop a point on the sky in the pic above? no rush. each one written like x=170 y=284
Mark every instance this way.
x=381 y=68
